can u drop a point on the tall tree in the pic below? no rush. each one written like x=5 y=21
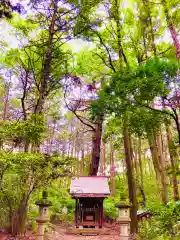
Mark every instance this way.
x=170 y=10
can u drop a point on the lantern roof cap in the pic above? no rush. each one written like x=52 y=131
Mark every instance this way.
x=43 y=203
x=123 y=204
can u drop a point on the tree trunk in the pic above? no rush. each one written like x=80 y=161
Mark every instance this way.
x=176 y=119
x=171 y=27
x=69 y=148
x=6 y=100
x=22 y=208
x=112 y=170
x=158 y=162
x=173 y=163
x=162 y=170
x=22 y=215
x=104 y=157
x=82 y=162
x=51 y=137
x=140 y=162
x=26 y=145
x=165 y=148
x=130 y=177
x=78 y=162
x=117 y=19
x=72 y=150
x=141 y=173
x=153 y=45
x=49 y=146
x=154 y=155
x=136 y=165
x=174 y=36
x=96 y=149
x=46 y=69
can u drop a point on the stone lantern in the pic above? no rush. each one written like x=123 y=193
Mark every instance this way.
x=124 y=220
x=43 y=217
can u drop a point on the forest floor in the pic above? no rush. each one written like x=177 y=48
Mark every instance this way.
x=60 y=234
x=114 y=235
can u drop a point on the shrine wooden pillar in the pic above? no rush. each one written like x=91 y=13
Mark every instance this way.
x=76 y=214
x=101 y=214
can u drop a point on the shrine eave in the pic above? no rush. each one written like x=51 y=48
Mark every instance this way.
x=89 y=195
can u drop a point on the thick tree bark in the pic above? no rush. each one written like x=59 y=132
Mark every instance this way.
x=154 y=155
x=96 y=149
x=173 y=162
x=130 y=177
x=46 y=69
x=22 y=208
x=22 y=216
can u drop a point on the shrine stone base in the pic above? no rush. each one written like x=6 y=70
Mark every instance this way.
x=88 y=231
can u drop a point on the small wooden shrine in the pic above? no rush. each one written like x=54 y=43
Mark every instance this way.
x=143 y=215
x=89 y=193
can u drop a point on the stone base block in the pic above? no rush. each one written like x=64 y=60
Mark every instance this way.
x=124 y=237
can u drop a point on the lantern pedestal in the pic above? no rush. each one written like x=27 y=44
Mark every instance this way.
x=43 y=217
x=124 y=220
x=40 y=231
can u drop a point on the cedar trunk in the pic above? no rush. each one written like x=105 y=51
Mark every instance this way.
x=158 y=162
x=96 y=149
x=131 y=181
x=173 y=162
x=104 y=157
x=82 y=161
x=162 y=170
x=112 y=170
x=140 y=177
x=154 y=155
x=172 y=29
x=6 y=101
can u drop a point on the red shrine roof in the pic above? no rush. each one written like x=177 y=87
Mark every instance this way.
x=96 y=186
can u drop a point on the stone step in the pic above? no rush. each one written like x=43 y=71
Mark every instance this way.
x=88 y=231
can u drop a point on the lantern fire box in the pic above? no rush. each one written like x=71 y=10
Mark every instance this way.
x=89 y=193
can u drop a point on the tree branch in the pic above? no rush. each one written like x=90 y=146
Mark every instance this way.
x=157 y=110
x=107 y=50
x=78 y=117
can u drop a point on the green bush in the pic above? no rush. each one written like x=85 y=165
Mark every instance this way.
x=109 y=208
x=161 y=226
